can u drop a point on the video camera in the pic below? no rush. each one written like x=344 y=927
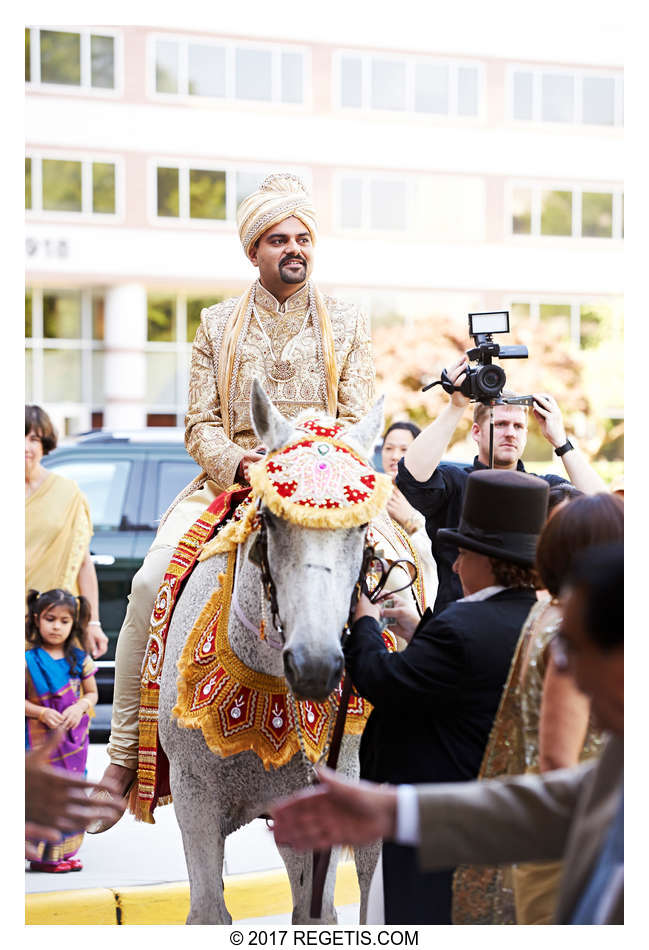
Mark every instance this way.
x=486 y=381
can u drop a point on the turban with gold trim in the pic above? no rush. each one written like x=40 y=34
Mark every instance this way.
x=278 y=197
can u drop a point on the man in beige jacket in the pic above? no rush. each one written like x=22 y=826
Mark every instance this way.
x=573 y=814
x=310 y=351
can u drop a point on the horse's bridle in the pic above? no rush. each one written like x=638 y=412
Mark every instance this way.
x=371 y=564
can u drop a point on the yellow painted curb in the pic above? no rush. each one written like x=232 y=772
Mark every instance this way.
x=87 y=906
x=264 y=894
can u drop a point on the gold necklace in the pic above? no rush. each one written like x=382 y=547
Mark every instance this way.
x=282 y=371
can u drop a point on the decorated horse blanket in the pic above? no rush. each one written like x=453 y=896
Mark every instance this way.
x=238 y=709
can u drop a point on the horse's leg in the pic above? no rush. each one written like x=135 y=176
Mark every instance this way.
x=299 y=867
x=200 y=825
x=365 y=859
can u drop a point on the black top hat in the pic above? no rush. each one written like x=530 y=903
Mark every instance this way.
x=502 y=515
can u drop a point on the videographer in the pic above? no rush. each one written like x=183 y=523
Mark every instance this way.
x=437 y=490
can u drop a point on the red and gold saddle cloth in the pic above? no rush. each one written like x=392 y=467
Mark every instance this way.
x=237 y=708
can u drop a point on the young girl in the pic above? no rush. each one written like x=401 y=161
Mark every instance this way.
x=60 y=690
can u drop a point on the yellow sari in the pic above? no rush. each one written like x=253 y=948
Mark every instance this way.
x=57 y=534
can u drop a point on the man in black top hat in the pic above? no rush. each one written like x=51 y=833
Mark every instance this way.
x=436 y=490
x=435 y=701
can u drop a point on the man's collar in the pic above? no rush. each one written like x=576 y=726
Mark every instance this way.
x=477 y=464
x=482 y=594
x=296 y=301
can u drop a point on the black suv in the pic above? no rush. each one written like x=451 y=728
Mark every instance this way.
x=129 y=479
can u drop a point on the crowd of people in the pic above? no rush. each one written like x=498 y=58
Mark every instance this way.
x=491 y=763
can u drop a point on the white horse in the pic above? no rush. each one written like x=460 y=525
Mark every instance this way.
x=314 y=571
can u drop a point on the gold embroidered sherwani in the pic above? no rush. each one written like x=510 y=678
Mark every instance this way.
x=205 y=436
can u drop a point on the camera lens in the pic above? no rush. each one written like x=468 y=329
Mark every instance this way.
x=490 y=380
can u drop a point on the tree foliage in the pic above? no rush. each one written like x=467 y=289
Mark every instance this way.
x=410 y=356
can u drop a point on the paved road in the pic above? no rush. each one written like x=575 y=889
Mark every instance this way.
x=134 y=853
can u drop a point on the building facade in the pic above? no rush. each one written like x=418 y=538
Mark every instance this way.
x=443 y=184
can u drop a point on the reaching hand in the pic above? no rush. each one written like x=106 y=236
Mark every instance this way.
x=51 y=718
x=249 y=459
x=365 y=608
x=399 y=509
x=400 y=615
x=56 y=800
x=336 y=811
x=97 y=642
x=72 y=716
x=548 y=415
x=457 y=375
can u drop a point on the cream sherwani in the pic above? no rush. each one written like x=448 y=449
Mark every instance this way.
x=285 y=335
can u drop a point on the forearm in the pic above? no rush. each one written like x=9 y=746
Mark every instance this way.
x=499 y=821
x=425 y=453
x=563 y=721
x=88 y=586
x=209 y=446
x=32 y=710
x=581 y=473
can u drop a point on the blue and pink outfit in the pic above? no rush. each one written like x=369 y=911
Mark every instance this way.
x=49 y=683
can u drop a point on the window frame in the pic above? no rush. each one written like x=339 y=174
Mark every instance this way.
x=578 y=76
x=366 y=229
x=84 y=88
x=537 y=186
x=184 y=97
x=86 y=159
x=410 y=61
x=572 y=302
x=184 y=165
x=37 y=343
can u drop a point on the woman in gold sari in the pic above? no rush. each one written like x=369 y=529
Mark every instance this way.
x=543 y=722
x=57 y=528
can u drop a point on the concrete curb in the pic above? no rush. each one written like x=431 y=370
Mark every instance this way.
x=263 y=894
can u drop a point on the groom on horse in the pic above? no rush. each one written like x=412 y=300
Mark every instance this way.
x=310 y=350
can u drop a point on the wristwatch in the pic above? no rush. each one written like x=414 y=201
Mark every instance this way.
x=562 y=449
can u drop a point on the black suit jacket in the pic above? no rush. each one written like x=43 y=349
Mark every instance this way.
x=434 y=703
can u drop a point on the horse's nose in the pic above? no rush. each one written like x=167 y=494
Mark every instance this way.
x=312 y=677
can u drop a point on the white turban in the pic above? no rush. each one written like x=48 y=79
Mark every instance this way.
x=279 y=196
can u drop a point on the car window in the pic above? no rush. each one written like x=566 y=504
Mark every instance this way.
x=103 y=482
x=172 y=478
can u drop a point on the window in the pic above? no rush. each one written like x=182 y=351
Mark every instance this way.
x=556 y=212
x=566 y=212
x=587 y=324
x=206 y=194
x=172 y=478
x=84 y=60
x=172 y=321
x=379 y=204
x=66 y=185
x=28 y=183
x=227 y=70
x=161 y=318
x=388 y=84
x=522 y=211
x=253 y=74
x=206 y=71
x=596 y=214
x=409 y=84
x=62 y=314
x=64 y=345
x=554 y=95
x=104 y=483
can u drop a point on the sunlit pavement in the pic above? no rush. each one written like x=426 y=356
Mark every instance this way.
x=133 y=853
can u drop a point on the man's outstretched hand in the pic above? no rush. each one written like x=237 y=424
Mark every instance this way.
x=56 y=801
x=336 y=811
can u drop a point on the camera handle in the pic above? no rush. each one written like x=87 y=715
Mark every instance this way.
x=445 y=383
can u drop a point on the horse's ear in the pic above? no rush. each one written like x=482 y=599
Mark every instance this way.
x=271 y=428
x=365 y=433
